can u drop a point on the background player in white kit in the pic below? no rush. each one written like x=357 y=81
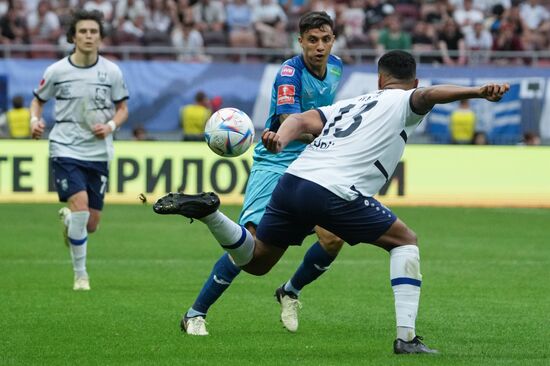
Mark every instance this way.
x=90 y=104
x=332 y=183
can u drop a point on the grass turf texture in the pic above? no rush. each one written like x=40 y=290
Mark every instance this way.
x=485 y=296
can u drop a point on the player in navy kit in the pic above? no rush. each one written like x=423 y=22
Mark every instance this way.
x=360 y=142
x=302 y=83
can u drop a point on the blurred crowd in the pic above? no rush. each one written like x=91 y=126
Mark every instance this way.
x=450 y=29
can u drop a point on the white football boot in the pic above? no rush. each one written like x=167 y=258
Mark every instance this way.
x=289 y=309
x=194 y=326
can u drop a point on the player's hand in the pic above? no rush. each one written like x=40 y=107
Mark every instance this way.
x=37 y=129
x=101 y=130
x=494 y=92
x=271 y=141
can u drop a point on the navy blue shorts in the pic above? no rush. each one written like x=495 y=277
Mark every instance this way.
x=297 y=205
x=72 y=176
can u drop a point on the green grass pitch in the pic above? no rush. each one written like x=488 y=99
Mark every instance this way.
x=485 y=296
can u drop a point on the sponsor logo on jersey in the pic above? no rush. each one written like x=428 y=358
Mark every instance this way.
x=287 y=71
x=335 y=71
x=285 y=94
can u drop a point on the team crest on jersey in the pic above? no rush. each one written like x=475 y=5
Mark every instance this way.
x=65 y=91
x=287 y=71
x=285 y=94
x=102 y=76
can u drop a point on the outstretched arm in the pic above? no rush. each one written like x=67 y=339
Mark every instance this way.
x=423 y=99
x=293 y=128
x=306 y=138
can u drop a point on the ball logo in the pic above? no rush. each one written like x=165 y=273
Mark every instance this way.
x=285 y=94
x=287 y=71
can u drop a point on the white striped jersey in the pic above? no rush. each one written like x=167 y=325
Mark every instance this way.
x=361 y=143
x=84 y=96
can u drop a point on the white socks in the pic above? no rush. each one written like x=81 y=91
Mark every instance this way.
x=78 y=237
x=233 y=238
x=405 y=281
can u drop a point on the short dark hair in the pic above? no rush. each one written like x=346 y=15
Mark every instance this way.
x=200 y=97
x=81 y=14
x=399 y=64
x=17 y=101
x=315 y=20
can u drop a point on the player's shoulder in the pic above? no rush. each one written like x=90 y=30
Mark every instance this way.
x=59 y=65
x=335 y=61
x=107 y=63
x=292 y=67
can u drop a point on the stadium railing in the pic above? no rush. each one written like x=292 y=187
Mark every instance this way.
x=243 y=55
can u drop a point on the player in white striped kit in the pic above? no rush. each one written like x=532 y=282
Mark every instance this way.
x=332 y=183
x=90 y=105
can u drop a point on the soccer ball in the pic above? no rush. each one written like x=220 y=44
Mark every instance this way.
x=229 y=132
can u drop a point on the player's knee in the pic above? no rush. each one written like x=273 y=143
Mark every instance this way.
x=331 y=244
x=92 y=227
x=410 y=237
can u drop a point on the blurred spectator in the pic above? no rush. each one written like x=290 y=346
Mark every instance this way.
x=450 y=38
x=375 y=12
x=16 y=120
x=182 y=12
x=353 y=18
x=270 y=23
x=435 y=12
x=189 y=43
x=494 y=21
x=240 y=25
x=487 y=5
x=533 y=14
x=294 y=7
x=44 y=24
x=514 y=18
x=209 y=16
x=104 y=6
x=506 y=40
x=194 y=116
x=467 y=16
x=128 y=9
x=140 y=134
x=423 y=40
x=536 y=22
x=479 y=42
x=328 y=6
x=480 y=138
x=531 y=139
x=13 y=28
x=392 y=37
x=462 y=123
x=158 y=22
x=132 y=31
x=4 y=6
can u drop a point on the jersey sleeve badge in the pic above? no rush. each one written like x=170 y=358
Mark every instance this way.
x=287 y=71
x=285 y=94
